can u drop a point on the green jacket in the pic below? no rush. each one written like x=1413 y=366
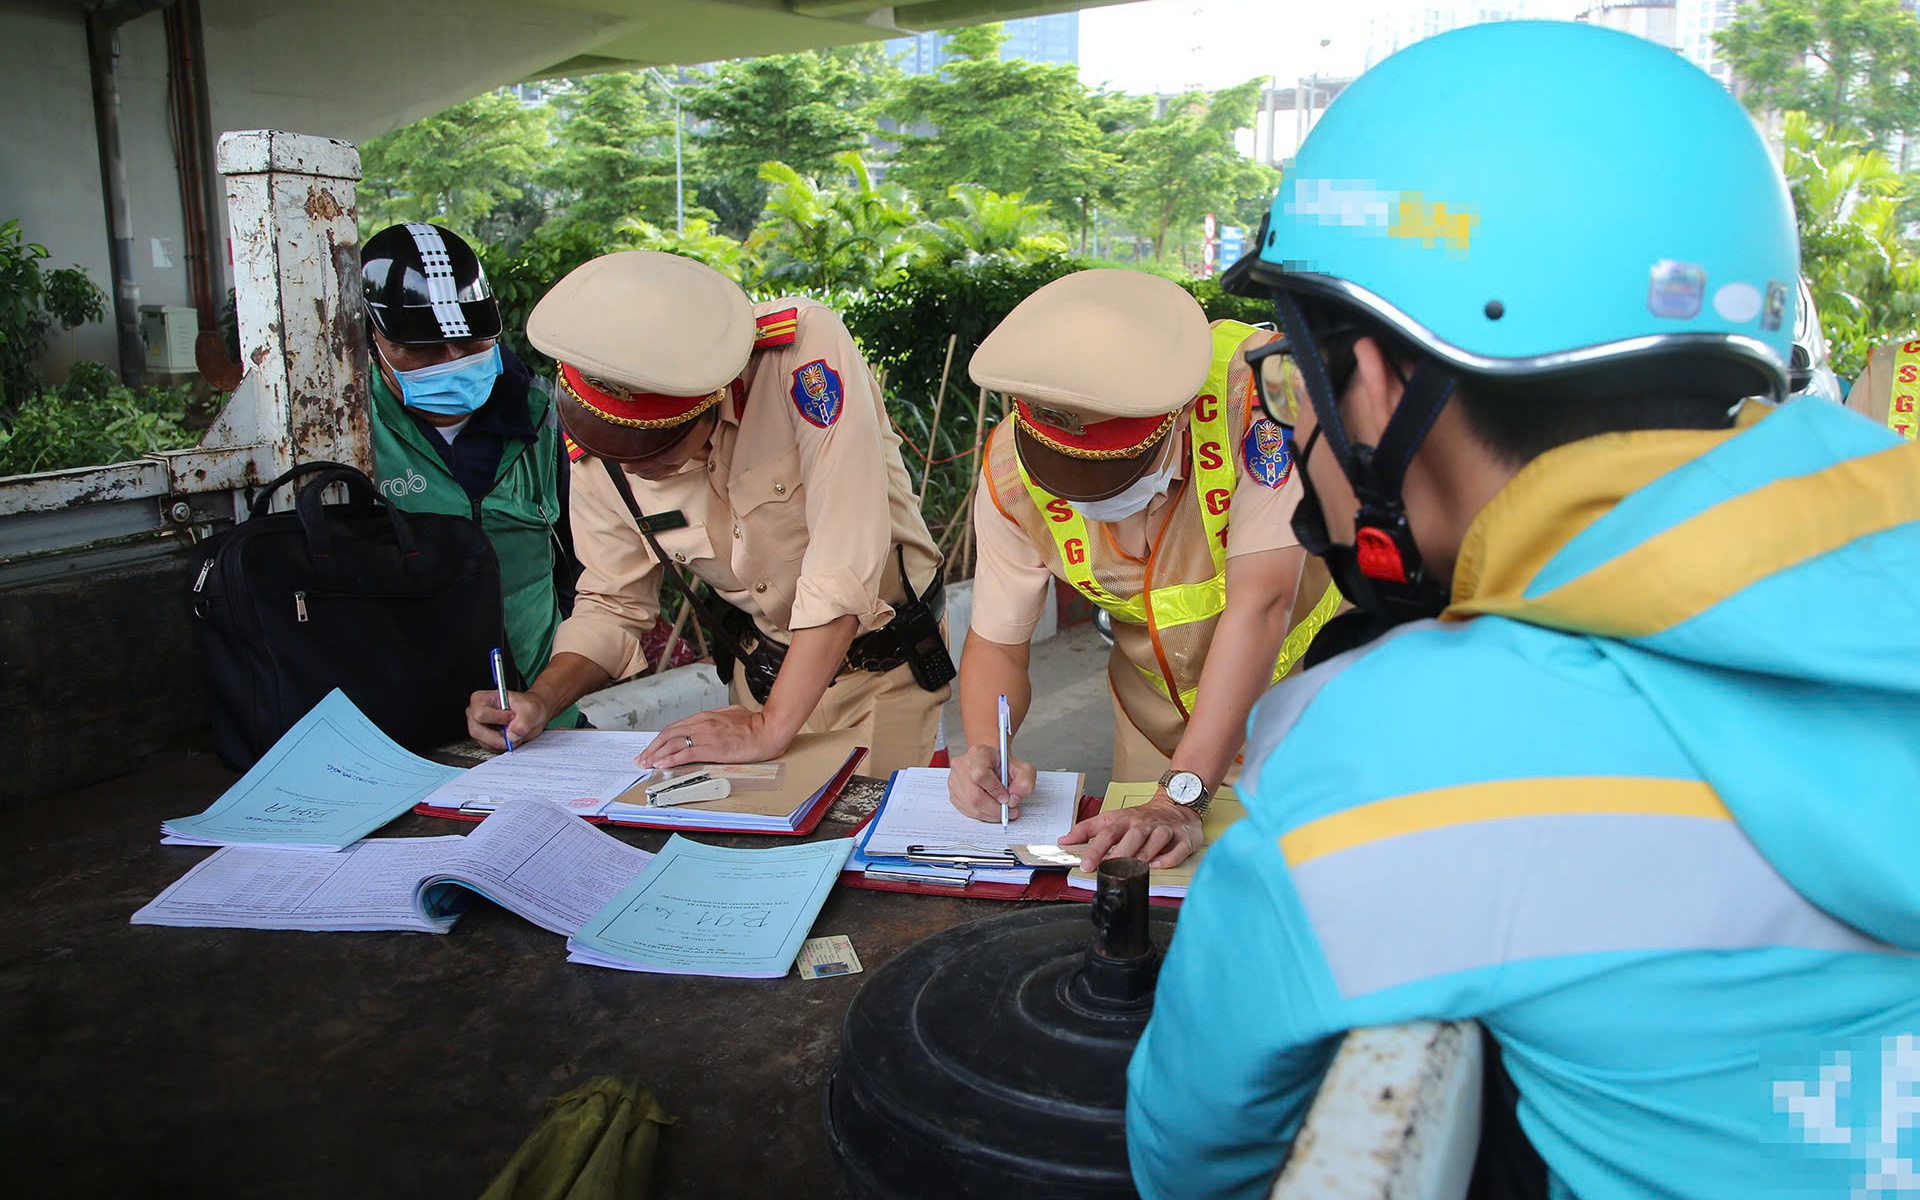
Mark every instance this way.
x=519 y=514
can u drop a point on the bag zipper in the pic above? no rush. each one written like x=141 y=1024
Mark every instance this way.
x=300 y=607
x=200 y=580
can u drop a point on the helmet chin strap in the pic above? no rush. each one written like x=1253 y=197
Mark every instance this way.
x=1382 y=571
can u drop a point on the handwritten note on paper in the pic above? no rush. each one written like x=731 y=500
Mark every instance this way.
x=329 y=781
x=918 y=812
x=708 y=910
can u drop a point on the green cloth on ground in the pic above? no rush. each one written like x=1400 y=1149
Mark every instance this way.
x=597 y=1142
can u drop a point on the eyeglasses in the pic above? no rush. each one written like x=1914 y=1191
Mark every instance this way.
x=1276 y=379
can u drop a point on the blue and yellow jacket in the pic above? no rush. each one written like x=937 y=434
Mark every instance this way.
x=1646 y=802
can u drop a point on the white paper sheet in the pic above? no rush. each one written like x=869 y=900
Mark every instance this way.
x=581 y=770
x=551 y=868
x=369 y=885
x=918 y=812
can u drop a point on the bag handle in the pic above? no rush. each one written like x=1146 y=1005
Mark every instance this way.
x=264 y=496
x=320 y=531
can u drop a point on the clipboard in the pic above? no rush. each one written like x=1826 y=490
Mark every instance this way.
x=1045 y=885
x=687 y=819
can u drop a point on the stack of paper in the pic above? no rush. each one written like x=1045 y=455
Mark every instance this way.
x=918 y=818
x=774 y=797
x=328 y=782
x=1172 y=881
x=705 y=910
x=581 y=770
x=529 y=857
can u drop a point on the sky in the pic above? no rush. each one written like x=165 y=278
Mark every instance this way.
x=1173 y=45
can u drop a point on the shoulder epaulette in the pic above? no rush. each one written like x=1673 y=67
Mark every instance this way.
x=776 y=329
x=575 y=451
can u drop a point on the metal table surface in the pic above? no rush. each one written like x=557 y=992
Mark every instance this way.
x=155 y=1062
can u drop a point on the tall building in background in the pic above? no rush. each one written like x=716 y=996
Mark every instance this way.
x=1698 y=21
x=1655 y=20
x=1052 y=39
x=1399 y=25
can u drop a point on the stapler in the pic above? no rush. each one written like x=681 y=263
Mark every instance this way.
x=687 y=789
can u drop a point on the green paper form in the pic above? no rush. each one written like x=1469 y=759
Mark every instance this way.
x=706 y=910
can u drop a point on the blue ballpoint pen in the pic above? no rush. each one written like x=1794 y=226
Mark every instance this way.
x=500 y=687
x=1006 y=731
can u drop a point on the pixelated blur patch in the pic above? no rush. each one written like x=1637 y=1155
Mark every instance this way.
x=1843 y=1115
x=817 y=393
x=1433 y=223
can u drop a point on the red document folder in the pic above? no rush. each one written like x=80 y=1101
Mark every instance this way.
x=688 y=820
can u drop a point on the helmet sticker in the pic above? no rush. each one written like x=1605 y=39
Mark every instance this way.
x=442 y=291
x=1775 y=310
x=1676 y=289
x=1737 y=302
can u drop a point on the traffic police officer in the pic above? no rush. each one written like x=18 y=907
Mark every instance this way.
x=1137 y=469
x=1888 y=390
x=745 y=445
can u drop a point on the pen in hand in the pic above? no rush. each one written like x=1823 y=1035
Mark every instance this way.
x=1006 y=731
x=500 y=687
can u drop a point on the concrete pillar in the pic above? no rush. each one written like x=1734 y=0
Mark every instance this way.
x=296 y=266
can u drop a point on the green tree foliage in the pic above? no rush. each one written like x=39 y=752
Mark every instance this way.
x=701 y=242
x=1863 y=269
x=829 y=236
x=32 y=302
x=1183 y=164
x=799 y=109
x=987 y=225
x=613 y=150
x=456 y=167
x=523 y=274
x=1011 y=126
x=1852 y=65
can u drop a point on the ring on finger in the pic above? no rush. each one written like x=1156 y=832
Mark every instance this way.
x=689 y=738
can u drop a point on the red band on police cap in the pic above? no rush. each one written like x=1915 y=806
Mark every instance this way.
x=1117 y=437
x=635 y=410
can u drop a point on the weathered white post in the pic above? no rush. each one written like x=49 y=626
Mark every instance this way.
x=296 y=266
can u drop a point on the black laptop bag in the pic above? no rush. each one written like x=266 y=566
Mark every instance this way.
x=398 y=610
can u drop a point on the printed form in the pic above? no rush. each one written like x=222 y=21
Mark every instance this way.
x=918 y=812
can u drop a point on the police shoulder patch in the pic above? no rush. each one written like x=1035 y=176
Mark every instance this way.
x=817 y=393
x=776 y=329
x=1268 y=452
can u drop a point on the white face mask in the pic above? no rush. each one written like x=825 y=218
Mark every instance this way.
x=1134 y=499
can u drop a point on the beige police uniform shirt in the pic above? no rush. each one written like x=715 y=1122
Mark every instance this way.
x=1010 y=579
x=793 y=518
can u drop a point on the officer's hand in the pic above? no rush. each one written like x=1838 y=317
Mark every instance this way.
x=485 y=718
x=974 y=784
x=725 y=735
x=1157 y=828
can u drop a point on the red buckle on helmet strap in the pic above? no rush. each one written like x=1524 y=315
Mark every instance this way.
x=1378 y=557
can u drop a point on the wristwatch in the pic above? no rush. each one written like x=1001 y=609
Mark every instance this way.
x=1185 y=789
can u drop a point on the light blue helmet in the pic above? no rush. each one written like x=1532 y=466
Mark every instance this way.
x=1535 y=200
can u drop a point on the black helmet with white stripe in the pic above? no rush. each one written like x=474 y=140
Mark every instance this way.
x=424 y=285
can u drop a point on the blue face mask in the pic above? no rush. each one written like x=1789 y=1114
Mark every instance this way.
x=451 y=389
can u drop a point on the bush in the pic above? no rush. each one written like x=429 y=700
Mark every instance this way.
x=32 y=302
x=92 y=419
x=903 y=329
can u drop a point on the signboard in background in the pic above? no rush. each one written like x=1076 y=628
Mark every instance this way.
x=1208 y=244
x=1232 y=244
